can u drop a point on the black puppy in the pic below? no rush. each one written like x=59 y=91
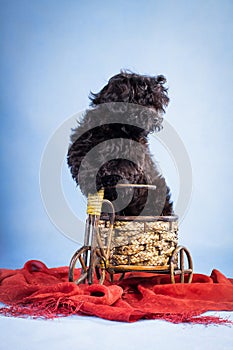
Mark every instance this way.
x=110 y=145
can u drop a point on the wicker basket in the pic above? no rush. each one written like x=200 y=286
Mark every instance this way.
x=140 y=241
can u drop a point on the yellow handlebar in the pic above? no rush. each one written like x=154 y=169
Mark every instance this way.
x=94 y=202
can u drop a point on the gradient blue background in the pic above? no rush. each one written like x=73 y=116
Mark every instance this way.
x=54 y=52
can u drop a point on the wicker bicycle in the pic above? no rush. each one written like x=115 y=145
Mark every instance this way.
x=120 y=244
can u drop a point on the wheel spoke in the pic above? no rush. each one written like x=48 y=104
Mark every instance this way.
x=182 y=265
x=82 y=278
x=102 y=278
x=84 y=268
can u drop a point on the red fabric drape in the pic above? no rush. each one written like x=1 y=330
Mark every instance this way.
x=42 y=292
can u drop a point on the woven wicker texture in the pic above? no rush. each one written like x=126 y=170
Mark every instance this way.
x=142 y=243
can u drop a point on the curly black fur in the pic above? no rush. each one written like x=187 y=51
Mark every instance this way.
x=110 y=144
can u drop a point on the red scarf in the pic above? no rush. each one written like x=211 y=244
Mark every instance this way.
x=38 y=291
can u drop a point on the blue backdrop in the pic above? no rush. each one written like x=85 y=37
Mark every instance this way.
x=54 y=52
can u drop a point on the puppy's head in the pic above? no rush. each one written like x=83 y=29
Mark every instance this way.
x=142 y=90
x=148 y=91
